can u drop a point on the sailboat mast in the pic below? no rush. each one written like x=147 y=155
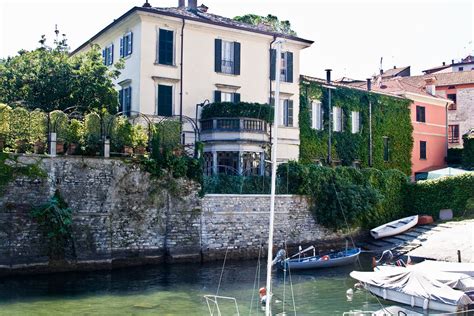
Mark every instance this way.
x=273 y=176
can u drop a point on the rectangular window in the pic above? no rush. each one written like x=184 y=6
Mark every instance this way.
x=125 y=100
x=316 y=115
x=420 y=114
x=108 y=55
x=286 y=69
x=222 y=96
x=452 y=97
x=165 y=100
x=355 y=122
x=461 y=68
x=386 y=149
x=165 y=47
x=337 y=119
x=453 y=134
x=422 y=149
x=287 y=109
x=227 y=57
x=126 y=45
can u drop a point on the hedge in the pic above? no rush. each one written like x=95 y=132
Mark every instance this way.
x=240 y=109
x=430 y=196
x=390 y=118
x=468 y=151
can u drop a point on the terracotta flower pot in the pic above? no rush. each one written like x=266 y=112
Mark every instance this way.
x=72 y=149
x=59 y=147
x=140 y=150
x=21 y=146
x=39 y=147
x=127 y=150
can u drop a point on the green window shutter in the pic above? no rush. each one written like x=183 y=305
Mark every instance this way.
x=165 y=47
x=165 y=100
x=236 y=58
x=272 y=63
x=218 y=55
x=289 y=67
x=236 y=97
x=217 y=96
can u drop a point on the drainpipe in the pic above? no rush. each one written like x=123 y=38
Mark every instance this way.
x=369 y=87
x=328 y=80
x=181 y=82
x=447 y=133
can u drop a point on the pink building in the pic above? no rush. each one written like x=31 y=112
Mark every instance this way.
x=428 y=116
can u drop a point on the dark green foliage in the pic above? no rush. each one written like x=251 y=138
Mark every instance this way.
x=468 y=152
x=49 y=79
x=429 y=197
x=390 y=118
x=270 y=20
x=10 y=168
x=55 y=220
x=454 y=157
x=229 y=184
x=241 y=109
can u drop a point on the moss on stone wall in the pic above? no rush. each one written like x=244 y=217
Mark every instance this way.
x=11 y=167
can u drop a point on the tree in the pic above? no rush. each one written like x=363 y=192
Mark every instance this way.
x=49 y=79
x=270 y=20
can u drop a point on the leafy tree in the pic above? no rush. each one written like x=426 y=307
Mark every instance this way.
x=49 y=79
x=270 y=20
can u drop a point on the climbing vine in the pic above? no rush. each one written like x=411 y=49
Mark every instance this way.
x=390 y=118
x=11 y=167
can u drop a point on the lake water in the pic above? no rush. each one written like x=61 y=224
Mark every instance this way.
x=179 y=289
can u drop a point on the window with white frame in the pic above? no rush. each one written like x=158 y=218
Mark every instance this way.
x=108 y=55
x=336 y=119
x=316 y=114
x=126 y=45
x=227 y=57
x=355 y=123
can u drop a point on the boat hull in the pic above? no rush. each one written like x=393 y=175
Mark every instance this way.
x=395 y=227
x=318 y=262
x=413 y=301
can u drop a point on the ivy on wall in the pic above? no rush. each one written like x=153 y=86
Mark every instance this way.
x=390 y=118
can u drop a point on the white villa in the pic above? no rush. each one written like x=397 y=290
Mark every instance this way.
x=179 y=57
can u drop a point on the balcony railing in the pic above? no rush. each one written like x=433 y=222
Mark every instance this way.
x=234 y=125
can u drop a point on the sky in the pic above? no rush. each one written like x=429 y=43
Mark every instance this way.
x=350 y=36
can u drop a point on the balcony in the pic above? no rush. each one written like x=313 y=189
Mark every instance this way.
x=235 y=129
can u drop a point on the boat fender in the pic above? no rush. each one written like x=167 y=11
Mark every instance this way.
x=425 y=303
x=262 y=292
x=412 y=303
x=325 y=258
x=384 y=294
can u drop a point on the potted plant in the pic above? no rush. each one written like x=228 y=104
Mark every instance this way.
x=21 y=146
x=73 y=136
x=39 y=146
x=139 y=139
x=122 y=136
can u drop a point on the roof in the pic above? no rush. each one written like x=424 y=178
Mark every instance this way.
x=198 y=16
x=468 y=60
x=394 y=72
x=357 y=85
x=445 y=78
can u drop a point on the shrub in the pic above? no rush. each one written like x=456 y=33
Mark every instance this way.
x=38 y=126
x=139 y=136
x=454 y=156
x=241 y=109
x=5 y=112
x=430 y=196
x=121 y=134
x=74 y=132
x=59 y=124
x=468 y=151
x=92 y=133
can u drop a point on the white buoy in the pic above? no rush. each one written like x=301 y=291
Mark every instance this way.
x=425 y=303
x=412 y=301
x=384 y=294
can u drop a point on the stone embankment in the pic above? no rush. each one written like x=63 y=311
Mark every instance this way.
x=122 y=216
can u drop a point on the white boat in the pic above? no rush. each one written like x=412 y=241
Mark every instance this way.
x=414 y=288
x=394 y=228
x=458 y=281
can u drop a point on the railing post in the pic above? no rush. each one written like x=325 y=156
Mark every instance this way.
x=52 y=144
x=107 y=148
x=214 y=162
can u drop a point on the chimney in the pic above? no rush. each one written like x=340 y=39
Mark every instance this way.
x=192 y=5
x=328 y=75
x=394 y=67
x=146 y=4
x=430 y=86
x=452 y=61
x=181 y=3
x=381 y=71
x=444 y=63
x=369 y=84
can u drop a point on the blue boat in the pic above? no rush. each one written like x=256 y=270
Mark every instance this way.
x=332 y=259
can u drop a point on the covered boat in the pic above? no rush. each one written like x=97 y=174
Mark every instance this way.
x=414 y=288
x=395 y=227
x=333 y=259
x=443 y=266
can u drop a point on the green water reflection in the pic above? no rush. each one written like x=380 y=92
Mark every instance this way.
x=179 y=290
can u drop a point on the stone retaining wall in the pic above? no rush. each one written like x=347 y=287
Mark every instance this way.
x=121 y=216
